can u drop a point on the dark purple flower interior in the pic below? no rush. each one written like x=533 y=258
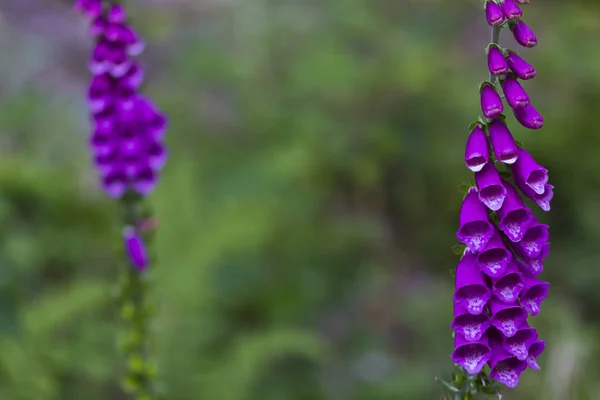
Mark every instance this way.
x=533 y=297
x=519 y=343
x=475 y=161
x=508 y=155
x=494 y=261
x=476 y=234
x=507 y=372
x=471 y=357
x=508 y=320
x=473 y=298
x=493 y=196
x=537 y=179
x=508 y=288
x=515 y=224
x=472 y=327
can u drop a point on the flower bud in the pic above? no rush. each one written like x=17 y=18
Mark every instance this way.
x=511 y=10
x=520 y=67
x=524 y=35
x=497 y=64
x=493 y=13
x=491 y=103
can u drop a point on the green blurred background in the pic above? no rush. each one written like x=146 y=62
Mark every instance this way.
x=307 y=212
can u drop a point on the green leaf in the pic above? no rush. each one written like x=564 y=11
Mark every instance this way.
x=518 y=143
x=459 y=249
x=464 y=187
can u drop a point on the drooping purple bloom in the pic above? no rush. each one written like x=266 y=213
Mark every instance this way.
x=518 y=345
x=477 y=151
x=523 y=34
x=472 y=327
x=514 y=93
x=529 y=117
x=511 y=10
x=491 y=103
x=493 y=13
x=495 y=257
x=506 y=318
x=470 y=355
x=515 y=216
x=521 y=68
x=528 y=172
x=505 y=368
x=90 y=8
x=475 y=228
x=536 y=348
x=497 y=64
x=472 y=293
x=533 y=294
x=489 y=184
x=505 y=148
x=508 y=287
x=532 y=266
x=135 y=248
x=532 y=243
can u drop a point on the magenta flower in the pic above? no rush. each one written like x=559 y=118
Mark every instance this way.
x=135 y=248
x=497 y=64
x=489 y=184
x=524 y=35
x=514 y=93
x=491 y=103
x=472 y=292
x=477 y=150
x=493 y=13
x=475 y=228
x=505 y=148
x=494 y=258
x=470 y=355
x=520 y=67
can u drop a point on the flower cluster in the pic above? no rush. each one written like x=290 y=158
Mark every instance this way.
x=127 y=138
x=496 y=280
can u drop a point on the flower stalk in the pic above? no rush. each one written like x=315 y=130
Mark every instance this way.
x=504 y=245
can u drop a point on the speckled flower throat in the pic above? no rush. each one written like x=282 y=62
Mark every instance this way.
x=504 y=244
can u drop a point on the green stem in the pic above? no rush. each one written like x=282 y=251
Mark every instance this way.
x=139 y=374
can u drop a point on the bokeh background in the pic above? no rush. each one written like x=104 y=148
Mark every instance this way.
x=307 y=212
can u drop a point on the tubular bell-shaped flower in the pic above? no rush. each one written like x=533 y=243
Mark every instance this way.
x=489 y=184
x=477 y=151
x=515 y=216
x=470 y=355
x=472 y=293
x=475 y=228
x=491 y=103
x=505 y=148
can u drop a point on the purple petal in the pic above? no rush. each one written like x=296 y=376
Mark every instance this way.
x=493 y=13
x=145 y=182
x=477 y=151
x=135 y=248
x=472 y=327
x=497 y=64
x=495 y=257
x=508 y=287
x=116 y=14
x=506 y=370
x=472 y=293
x=475 y=228
x=503 y=143
x=529 y=117
x=532 y=243
x=520 y=67
x=524 y=35
x=514 y=93
x=528 y=172
x=515 y=216
x=534 y=293
x=511 y=10
x=506 y=318
x=472 y=356
x=519 y=344
x=491 y=103
x=489 y=185
x=536 y=348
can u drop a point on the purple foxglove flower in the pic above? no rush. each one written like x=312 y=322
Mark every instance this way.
x=519 y=344
x=494 y=258
x=477 y=151
x=507 y=288
x=475 y=228
x=472 y=293
x=515 y=216
x=505 y=148
x=100 y=93
x=472 y=356
x=533 y=294
x=506 y=368
x=90 y=8
x=98 y=26
x=542 y=200
x=506 y=318
x=524 y=35
x=116 y=14
x=511 y=10
x=520 y=67
x=535 y=350
x=534 y=266
x=497 y=64
x=529 y=117
x=491 y=103
x=514 y=93
x=135 y=248
x=489 y=184
x=528 y=172
x=472 y=327
x=532 y=243
x=493 y=13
